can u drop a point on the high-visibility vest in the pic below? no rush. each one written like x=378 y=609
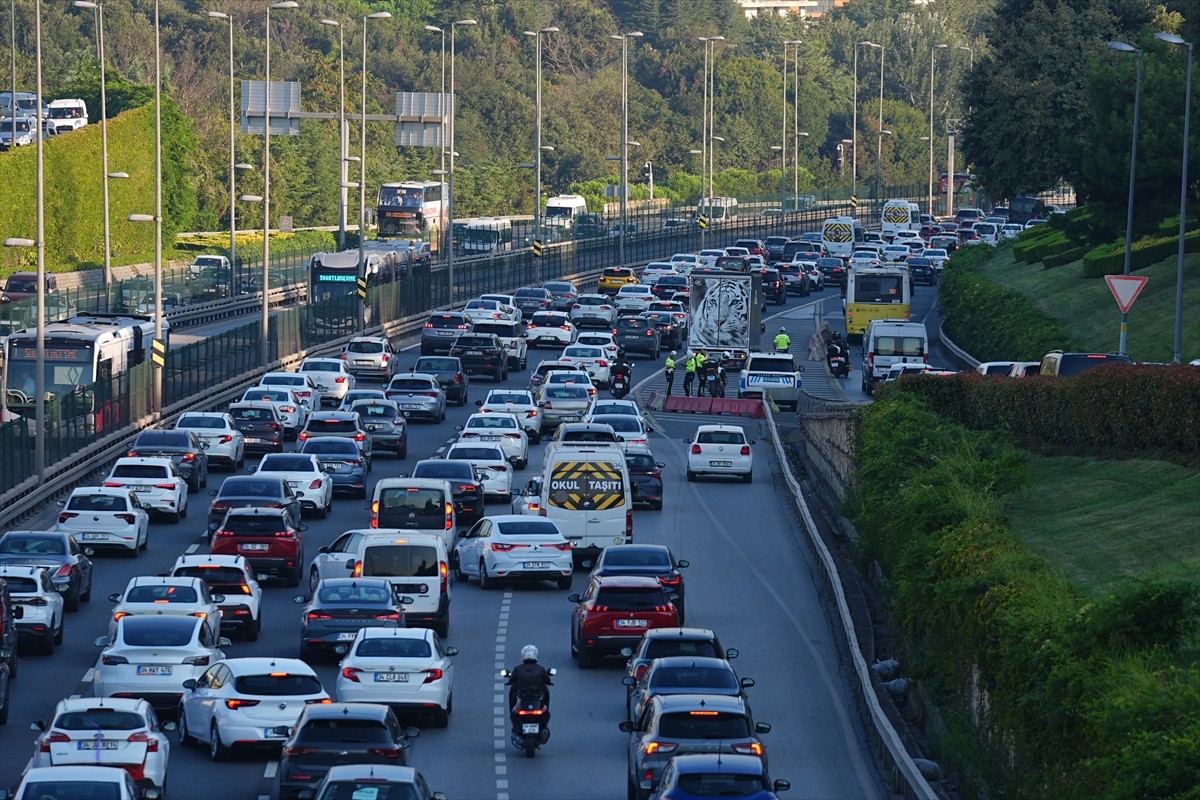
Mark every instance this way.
x=690 y=365
x=782 y=341
x=670 y=364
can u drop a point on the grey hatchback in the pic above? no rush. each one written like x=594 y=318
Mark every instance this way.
x=338 y=425
x=385 y=425
x=343 y=461
x=441 y=329
x=450 y=373
x=182 y=447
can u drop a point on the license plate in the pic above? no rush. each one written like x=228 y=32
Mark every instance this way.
x=446 y=333
x=411 y=406
x=253 y=440
x=372 y=427
x=573 y=418
x=530 y=727
x=363 y=363
x=269 y=733
x=88 y=536
x=548 y=339
x=490 y=438
x=720 y=463
x=535 y=565
x=474 y=352
x=143 y=669
x=346 y=636
x=391 y=677
x=257 y=546
x=322 y=387
x=141 y=488
x=294 y=484
x=92 y=744
x=631 y=623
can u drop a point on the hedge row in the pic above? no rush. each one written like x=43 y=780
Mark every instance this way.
x=1109 y=259
x=1058 y=259
x=249 y=244
x=992 y=322
x=1117 y=411
x=1044 y=694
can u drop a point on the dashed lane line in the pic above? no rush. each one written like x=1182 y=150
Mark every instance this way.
x=500 y=710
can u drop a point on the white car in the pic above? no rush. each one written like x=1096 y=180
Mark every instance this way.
x=42 y=606
x=634 y=297
x=550 y=329
x=246 y=701
x=864 y=258
x=121 y=732
x=163 y=596
x=685 y=262
x=594 y=310
x=595 y=361
x=514 y=548
x=102 y=517
x=480 y=309
x=151 y=656
x=79 y=781
x=937 y=257
x=1010 y=231
x=616 y=407
x=293 y=410
x=301 y=383
x=520 y=404
x=508 y=302
x=231 y=576
x=400 y=667
x=330 y=375
x=226 y=444
x=490 y=463
x=155 y=482
x=605 y=340
x=502 y=430
x=573 y=378
x=903 y=237
x=631 y=429
x=720 y=450
x=655 y=270
x=896 y=252
x=708 y=258
x=303 y=473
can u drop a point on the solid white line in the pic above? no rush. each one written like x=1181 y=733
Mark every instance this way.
x=271 y=769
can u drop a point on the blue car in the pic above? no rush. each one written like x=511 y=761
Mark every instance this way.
x=342 y=459
x=700 y=776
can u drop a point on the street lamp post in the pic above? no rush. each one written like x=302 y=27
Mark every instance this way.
x=450 y=261
x=343 y=131
x=624 y=39
x=232 y=149
x=99 y=9
x=1137 y=101
x=265 y=352
x=441 y=125
x=1177 y=353
x=783 y=148
x=879 y=146
x=796 y=168
x=782 y=175
x=362 y=169
x=854 y=123
x=932 y=51
x=537 y=137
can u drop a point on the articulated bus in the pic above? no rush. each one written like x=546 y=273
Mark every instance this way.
x=876 y=293
x=413 y=210
x=839 y=235
x=79 y=353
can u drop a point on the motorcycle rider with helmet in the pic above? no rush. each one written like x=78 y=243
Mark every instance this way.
x=621 y=369
x=529 y=679
x=836 y=348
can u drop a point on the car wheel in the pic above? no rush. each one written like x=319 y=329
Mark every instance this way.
x=486 y=582
x=586 y=659
x=442 y=416
x=293 y=580
x=564 y=582
x=173 y=518
x=459 y=575
x=321 y=512
x=252 y=630
x=71 y=601
x=4 y=708
x=185 y=738
x=84 y=596
x=441 y=718
x=204 y=480
x=403 y=451
x=314 y=577
x=522 y=463
x=183 y=512
x=58 y=637
x=748 y=477
x=193 y=486
x=691 y=476
x=216 y=750
x=145 y=542
x=442 y=628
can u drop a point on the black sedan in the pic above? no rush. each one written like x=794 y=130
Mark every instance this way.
x=921 y=270
x=465 y=485
x=646 y=475
x=563 y=292
x=482 y=352
x=252 y=491
x=646 y=560
x=834 y=270
x=667 y=285
x=62 y=557
x=670 y=334
x=342 y=606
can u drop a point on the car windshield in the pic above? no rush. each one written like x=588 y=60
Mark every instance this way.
x=703 y=725
x=280 y=684
x=197 y=421
x=154 y=631
x=285 y=463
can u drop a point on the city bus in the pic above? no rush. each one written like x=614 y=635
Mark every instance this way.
x=839 y=235
x=81 y=355
x=413 y=210
x=876 y=293
x=718 y=209
x=483 y=235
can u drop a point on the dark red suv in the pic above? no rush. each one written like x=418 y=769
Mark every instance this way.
x=614 y=612
x=267 y=539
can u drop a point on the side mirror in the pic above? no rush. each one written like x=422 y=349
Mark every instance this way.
x=323 y=549
x=478 y=404
x=629 y=681
x=61 y=504
x=781 y=785
x=410 y=732
x=351 y=564
x=504 y=673
x=212 y=492
x=62 y=588
x=574 y=598
x=299 y=494
x=341 y=649
x=406 y=601
x=89 y=551
x=646 y=786
x=300 y=599
x=115 y=597
x=627 y=726
x=189 y=684
x=627 y=652
x=37 y=725
x=762 y=727
x=101 y=641
x=731 y=653
x=218 y=598
x=458 y=427
x=682 y=564
x=451 y=651
x=224 y=641
x=673 y=597
x=303 y=527
x=168 y=726
x=747 y=683
x=281 y=730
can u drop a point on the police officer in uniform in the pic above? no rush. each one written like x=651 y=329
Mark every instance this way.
x=689 y=374
x=670 y=367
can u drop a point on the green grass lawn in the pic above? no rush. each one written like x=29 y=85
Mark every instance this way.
x=1103 y=521
x=1087 y=309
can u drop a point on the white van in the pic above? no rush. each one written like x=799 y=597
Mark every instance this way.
x=415 y=504
x=588 y=494
x=891 y=341
x=417 y=565
x=562 y=211
x=66 y=115
x=898 y=215
x=989 y=232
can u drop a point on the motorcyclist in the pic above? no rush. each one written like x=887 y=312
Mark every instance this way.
x=527 y=678
x=835 y=348
x=782 y=341
x=622 y=368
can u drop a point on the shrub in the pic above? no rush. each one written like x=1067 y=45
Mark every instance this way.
x=1110 y=259
x=1058 y=259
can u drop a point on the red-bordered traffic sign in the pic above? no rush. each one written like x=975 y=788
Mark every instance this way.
x=1125 y=289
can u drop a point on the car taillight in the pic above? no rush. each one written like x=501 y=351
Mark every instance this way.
x=392 y=616
x=285 y=535
x=188 y=457
x=432 y=675
x=274 y=426
x=164 y=486
x=749 y=749
x=62 y=572
x=562 y=547
x=504 y=548
x=303 y=436
x=745 y=450
x=132 y=454
x=113 y=484
x=385 y=752
x=128 y=518
x=33 y=601
x=292 y=752
x=430 y=394
x=339 y=380
x=358 y=437
x=64 y=516
x=200 y=614
x=288 y=409
x=695 y=449
x=660 y=747
x=351 y=673
x=628 y=526
x=51 y=738
x=444 y=574
x=315 y=483
x=428 y=324
x=225 y=439
x=223 y=532
x=234 y=703
x=317 y=701
x=466 y=487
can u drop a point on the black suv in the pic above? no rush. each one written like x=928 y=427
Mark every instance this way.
x=733 y=263
x=482 y=352
x=441 y=329
x=834 y=270
x=450 y=374
x=773 y=286
x=666 y=286
x=182 y=447
x=669 y=333
x=637 y=335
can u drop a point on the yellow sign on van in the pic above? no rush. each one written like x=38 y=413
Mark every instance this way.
x=896 y=214
x=586 y=486
x=838 y=232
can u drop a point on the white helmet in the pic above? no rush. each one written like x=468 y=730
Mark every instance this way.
x=529 y=653
x=672 y=354
x=727 y=355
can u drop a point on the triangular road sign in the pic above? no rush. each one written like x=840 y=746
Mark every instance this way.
x=1125 y=288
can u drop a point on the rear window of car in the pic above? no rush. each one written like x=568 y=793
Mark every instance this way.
x=588 y=436
x=324 y=365
x=139 y=471
x=253 y=524
x=274 y=395
x=721 y=437
x=631 y=323
x=630 y=597
x=555 y=286
x=640 y=463
x=698 y=677
x=285 y=463
x=374 y=411
x=445 y=321
x=320 y=447
x=536 y=294
x=216 y=578
x=332 y=425
x=247 y=486
x=474 y=341
x=770 y=365
x=162 y=439
x=444 y=470
x=32 y=545
x=492 y=422
x=252 y=414
x=162 y=594
x=437 y=365
x=672 y=280
x=476 y=453
x=547 y=321
x=418 y=384
x=152 y=631
x=197 y=421
x=528 y=527
x=354 y=592
x=340 y=729
x=618 y=273
x=899 y=346
x=365 y=347
x=704 y=725
x=21 y=585
x=412 y=507
x=104 y=719
x=394 y=647
x=720 y=784
x=567 y=392
x=97 y=502
x=400 y=561
x=277 y=685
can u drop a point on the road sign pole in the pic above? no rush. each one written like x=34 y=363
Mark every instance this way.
x=1125 y=289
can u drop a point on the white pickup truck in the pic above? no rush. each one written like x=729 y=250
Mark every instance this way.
x=773 y=375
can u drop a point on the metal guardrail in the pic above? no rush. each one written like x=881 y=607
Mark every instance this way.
x=960 y=357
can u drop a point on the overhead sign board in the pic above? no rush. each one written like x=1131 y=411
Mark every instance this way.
x=1125 y=289
x=285 y=106
x=421 y=119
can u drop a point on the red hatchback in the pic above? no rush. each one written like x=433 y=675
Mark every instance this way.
x=265 y=537
x=614 y=612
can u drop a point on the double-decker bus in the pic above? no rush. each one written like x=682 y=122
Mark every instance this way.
x=413 y=210
x=876 y=293
x=81 y=355
x=962 y=181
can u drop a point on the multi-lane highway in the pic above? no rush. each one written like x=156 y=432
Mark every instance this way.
x=750 y=579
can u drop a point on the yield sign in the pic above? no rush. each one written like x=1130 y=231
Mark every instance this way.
x=1125 y=288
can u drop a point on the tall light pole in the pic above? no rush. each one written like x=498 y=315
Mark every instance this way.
x=624 y=39
x=266 y=195
x=98 y=8
x=537 y=137
x=782 y=174
x=232 y=150
x=450 y=261
x=879 y=146
x=783 y=148
x=854 y=124
x=343 y=131
x=442 y=126
x=706 y=121
x=1171 y=38
x=933 y=50
x=362 y=168
x=12 y=18
x=1137 y=101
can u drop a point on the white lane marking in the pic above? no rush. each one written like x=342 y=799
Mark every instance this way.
x=272 y=768
x=192 y=548
x=74 y=697
x=500 y=710
x=89 y=676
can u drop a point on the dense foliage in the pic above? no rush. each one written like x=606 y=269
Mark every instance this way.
x=1083 y=700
